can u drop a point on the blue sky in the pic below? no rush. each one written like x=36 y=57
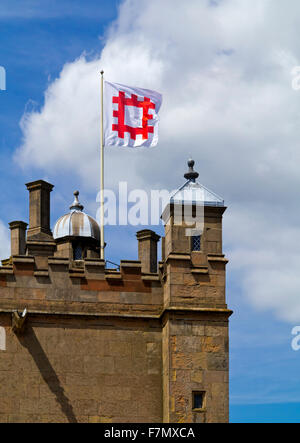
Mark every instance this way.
x=244 y=112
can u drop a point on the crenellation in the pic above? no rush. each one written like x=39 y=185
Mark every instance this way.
x=104 y=345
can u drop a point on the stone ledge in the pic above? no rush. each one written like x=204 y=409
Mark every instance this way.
x=23 y=259
x=113 y=276
x=150 y=277
x=58 y=261
x=196 y=309
x=147 y=234
x=40 y=243
x=134 y=315
x=94 y=263
x=6 y=270
x=41 y=273
x=173 y=256
x=85 y=314
x=217 y=258
x=200 y=270
x=130 y=264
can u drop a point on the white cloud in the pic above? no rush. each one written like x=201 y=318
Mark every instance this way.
x=265 y=254
x=4 y=241
x=225 y=72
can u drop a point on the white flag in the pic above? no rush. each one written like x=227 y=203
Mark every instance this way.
x=130 y=116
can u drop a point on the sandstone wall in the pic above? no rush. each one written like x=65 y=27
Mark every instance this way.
x=81 y=370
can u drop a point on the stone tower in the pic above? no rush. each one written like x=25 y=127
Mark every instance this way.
x=144 y=342
x=195 y=324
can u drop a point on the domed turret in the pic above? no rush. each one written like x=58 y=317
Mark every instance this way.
x=76 y=223
x=78 y=232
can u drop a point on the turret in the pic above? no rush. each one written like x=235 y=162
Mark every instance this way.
x=195 y=332
x=77 y=235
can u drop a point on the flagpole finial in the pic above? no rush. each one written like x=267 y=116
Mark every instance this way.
x=191 y=174
x=102 y=72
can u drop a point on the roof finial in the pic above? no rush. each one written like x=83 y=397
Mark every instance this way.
x=191 y=174
x=76 y=206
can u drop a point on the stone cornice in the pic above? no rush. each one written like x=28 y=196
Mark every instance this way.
x=158 y=315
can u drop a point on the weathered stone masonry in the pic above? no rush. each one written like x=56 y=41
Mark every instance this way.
x=102 y=345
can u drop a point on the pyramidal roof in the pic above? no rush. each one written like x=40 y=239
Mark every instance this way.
x=193 y=192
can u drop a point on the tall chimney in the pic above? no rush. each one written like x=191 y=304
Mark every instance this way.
x=148 y=250
x=39 y=208
x=18 y=237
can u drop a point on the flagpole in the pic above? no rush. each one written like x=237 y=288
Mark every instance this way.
x=102 y=177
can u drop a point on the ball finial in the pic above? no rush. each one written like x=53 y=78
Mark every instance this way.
x=191 y=174
x=76 y=205
x=191 y=163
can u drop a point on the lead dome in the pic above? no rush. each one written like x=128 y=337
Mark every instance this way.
x=76 y=223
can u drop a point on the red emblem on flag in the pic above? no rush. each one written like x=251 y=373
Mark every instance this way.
x=131 y=116
x=121 y=127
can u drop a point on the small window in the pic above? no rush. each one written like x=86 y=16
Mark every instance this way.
x=77 y=252
x=198 y=400
x=196 y=243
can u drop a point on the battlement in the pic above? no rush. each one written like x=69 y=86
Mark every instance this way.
x=81 y=287
x=88 y=287
x=145 y=342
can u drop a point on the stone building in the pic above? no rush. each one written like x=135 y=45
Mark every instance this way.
x=148 y=342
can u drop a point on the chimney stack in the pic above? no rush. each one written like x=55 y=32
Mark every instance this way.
x=39 y=209
x=148 y=250
x=18 y=237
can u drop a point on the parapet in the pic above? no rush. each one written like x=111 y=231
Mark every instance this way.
x=82 y=287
